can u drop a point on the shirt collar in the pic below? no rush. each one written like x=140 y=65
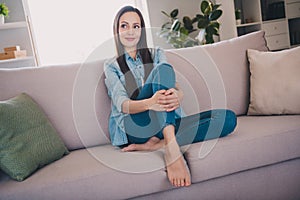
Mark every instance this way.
x=129 y=58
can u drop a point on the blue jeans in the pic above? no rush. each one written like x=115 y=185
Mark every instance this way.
x=207 y=125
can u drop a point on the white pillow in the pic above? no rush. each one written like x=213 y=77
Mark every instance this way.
x=274 y=82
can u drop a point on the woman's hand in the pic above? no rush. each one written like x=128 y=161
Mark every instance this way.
x=154 y=101
x=171 y=99
x=162 y=100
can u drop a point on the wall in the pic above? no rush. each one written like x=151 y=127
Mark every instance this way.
x=227 y=20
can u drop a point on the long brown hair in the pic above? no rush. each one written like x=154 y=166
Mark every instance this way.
x=142 y=49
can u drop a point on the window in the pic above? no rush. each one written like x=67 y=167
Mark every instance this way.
x=67 y=31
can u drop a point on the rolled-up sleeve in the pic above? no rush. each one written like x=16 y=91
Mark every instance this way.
x=116 y=89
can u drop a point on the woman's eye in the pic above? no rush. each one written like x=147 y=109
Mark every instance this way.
x=136 y=26
x=124 y=26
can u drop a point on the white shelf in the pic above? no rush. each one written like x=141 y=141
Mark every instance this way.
x=274 y=20
x=16 y=60
x=16 y=31
x=248 y=24
x=274 y=17
x=13 y=25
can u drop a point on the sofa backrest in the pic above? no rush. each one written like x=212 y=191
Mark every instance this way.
x=74 y=97
x=218 y=73
x=56 y=89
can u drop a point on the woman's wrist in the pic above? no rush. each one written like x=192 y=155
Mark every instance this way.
x=148 y=104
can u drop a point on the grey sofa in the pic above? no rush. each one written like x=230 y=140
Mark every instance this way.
x=259 y=160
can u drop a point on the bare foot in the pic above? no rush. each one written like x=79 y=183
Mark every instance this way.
x=178 y=172
x=152 y=144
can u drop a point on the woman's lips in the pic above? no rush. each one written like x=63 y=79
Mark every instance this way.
x=130 y=39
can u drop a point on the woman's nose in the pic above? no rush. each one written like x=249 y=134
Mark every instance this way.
x=131 y=31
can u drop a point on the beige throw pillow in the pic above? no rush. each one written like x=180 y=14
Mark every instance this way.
x=274 y=82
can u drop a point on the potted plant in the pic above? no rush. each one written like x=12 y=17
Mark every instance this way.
x=238 y=16
x=177 y=32
x=3 y=12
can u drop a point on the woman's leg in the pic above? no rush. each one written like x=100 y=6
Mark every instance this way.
x=205 y=126
x=142 y=126
x=145 y=125
x=177 y=169
x=196 y=128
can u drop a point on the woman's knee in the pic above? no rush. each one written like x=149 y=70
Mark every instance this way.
x=164 y=70
x=230 y=122
x=164 y=67
x=163 y=77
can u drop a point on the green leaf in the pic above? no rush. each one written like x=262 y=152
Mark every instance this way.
x=215 y=15
x=187 y=22
x=209 y=39
x=176 y=25
x=215 y=24
x=203 y=23
x=204 y=5
x=210 y=30
x=174 y=13
x=208 y=9
x=216 y=6
x=4 y=10
x=184 y=31
x=199 y=16
x=195 y=19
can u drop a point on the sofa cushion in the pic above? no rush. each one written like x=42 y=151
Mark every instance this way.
x=217 y=74
x=86 y=174
x=274 y=82
x=257 y=141
x=28 y=140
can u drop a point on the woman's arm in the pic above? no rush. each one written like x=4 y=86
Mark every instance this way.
x=162 y=100
x=137 y=106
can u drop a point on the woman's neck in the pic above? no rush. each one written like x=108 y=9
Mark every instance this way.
x=132 y=52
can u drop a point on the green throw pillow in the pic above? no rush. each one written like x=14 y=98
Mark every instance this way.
x=28 y=141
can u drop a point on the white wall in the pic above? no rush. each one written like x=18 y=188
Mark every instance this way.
x=227 y=20
x=186 y=8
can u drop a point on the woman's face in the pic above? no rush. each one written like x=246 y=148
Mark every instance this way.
x=130 y=30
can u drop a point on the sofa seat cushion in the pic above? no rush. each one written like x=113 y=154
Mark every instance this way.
x=257 y=141
x=81 y=175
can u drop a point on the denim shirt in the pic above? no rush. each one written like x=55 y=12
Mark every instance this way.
x=115 y=83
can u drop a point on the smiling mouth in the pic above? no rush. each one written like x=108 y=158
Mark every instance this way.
x=130 y=39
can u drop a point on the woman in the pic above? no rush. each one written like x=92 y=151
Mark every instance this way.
x=146 y=113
